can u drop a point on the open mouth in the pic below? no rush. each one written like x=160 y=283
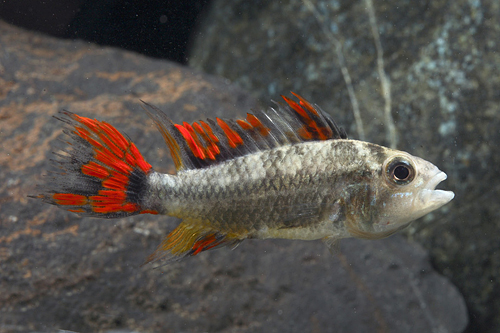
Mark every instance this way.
x=437 y=197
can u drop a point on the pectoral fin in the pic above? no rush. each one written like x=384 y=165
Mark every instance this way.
x=333 y=244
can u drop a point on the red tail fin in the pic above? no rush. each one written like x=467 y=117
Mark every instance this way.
x=102 y=172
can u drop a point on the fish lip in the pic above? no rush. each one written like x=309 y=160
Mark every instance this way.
x=435 y=180
x=435 y=197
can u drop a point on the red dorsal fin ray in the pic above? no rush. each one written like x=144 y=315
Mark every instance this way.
x=209 y=142
x=189 y=239
x=101 y=172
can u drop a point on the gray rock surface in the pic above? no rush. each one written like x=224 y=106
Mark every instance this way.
x=440 y=61
x=60 y=271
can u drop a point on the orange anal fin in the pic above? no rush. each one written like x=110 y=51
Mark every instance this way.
x=189 y=239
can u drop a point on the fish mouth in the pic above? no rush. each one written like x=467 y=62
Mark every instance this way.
x=436 y=179
x=436 y=198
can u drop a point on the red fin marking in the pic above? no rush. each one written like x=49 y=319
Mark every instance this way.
x=211 y=137
x=77 y=210
x=296 y=107
x=119 y=139
x=91 y=124
x=208 y=129
x=305 y=103
x=255 y=122
x=141 y=162
x=114 y=144
x=212 y=149
x=110 y=137
x=210 y=153
x=233 y=137
x=310 y=130
x=117 y=181
x=194 y=135
x=83 y=133
x=112 y=202
x=191 y=132
x=112 y=147
x=86 y=135
x=206 y=243
x=252 y=122
x=95 y=170
x=304 y=133
x=199 y=129
x=149 y=211
x=69 y=199
x=243 y=124
x=318 y=132
x=107 y=159
x=326 y=133
x=195 y=149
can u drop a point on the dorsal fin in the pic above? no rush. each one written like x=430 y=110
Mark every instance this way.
x=205 y=143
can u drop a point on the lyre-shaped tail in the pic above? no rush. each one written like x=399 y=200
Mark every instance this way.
x=101 y=173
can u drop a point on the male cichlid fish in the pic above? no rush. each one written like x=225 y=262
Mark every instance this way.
x=288 y=172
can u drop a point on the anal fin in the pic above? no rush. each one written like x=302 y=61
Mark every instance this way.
x=189 y=239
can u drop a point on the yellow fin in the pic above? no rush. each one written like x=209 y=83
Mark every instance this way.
x=166 y=128
x=188 y=239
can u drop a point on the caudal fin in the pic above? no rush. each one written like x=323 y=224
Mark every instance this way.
x=101 y=173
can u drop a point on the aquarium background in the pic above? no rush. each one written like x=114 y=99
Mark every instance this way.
x=420 y=76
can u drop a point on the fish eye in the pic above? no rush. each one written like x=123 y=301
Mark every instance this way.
x=400 y=171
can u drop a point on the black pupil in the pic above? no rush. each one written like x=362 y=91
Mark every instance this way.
x=401 y=172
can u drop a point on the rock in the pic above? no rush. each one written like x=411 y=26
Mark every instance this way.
x=60 y=271
x=441 y=61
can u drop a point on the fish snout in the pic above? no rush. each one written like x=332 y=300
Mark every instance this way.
x=430 y=197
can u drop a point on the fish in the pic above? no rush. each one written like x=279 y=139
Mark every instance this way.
x=288 y=172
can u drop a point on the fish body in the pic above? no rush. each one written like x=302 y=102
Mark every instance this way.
x=286 y=173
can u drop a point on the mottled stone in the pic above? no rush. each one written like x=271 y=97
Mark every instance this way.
x=60 y=271
x=441 y=60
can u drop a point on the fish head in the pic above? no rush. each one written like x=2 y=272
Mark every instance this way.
x=406 y=190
